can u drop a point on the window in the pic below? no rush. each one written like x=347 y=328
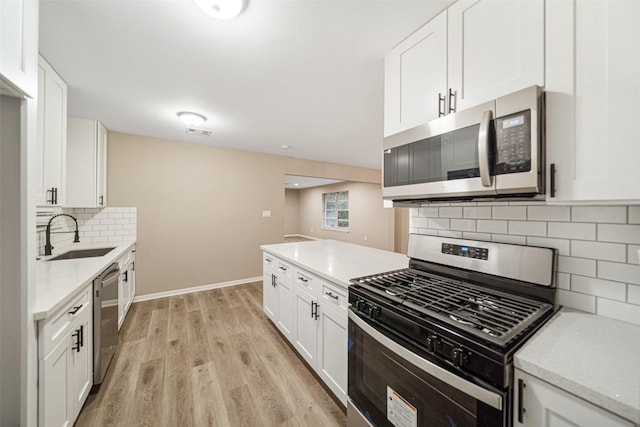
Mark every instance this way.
x=336 y=210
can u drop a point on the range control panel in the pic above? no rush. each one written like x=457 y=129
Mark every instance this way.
x=465 y=251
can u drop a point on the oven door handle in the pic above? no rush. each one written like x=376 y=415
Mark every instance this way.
x=490 y=398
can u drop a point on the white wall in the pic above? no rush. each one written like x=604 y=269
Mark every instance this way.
x=598 y=266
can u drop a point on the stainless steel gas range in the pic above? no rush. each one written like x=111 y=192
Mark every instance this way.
x=432 y=345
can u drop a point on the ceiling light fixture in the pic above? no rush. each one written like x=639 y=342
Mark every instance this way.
x=222 y=9
x=191 y=119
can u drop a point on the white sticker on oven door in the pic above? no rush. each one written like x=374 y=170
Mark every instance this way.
x=400 y=412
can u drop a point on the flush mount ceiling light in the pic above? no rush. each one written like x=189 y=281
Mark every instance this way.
x=222 y=9
x=191 y=119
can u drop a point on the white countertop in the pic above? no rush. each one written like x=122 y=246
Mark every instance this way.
x=338 y=261
x=593 y=357
x=59 y=281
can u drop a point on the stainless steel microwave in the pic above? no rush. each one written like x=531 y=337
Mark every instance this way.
x=491 y=151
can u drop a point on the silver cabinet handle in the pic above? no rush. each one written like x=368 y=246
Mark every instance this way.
x=441 y=105
x=302 y=279
x=283 y=268
x=331 y=295
x=483 y=149
x=452 y=101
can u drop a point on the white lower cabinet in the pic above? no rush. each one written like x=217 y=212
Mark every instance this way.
x=544 y=405
x=277 y=293
x=312 y=313
x=65 y=345
x=126 y=285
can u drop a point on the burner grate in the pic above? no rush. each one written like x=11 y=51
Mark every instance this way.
x=490 y=314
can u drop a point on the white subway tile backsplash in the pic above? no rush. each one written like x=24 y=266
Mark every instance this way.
x=528 y=228
x=602 y=214
x=509 y=212
x=564 y=281
x=439 y=223
x=621 y=272
x=548 y=213
x=577 y=301
x=450 y=212
x=115 y=227
x=618 y=310
x=491 y=226
x=505 y=238
x=632 y=256
x=483 y=237
x=421 y=222
x=619 y=233
x=463 y=224
x=477 y=212
x=599 y=250
x=633 y=294
x=570 y=230
x=634 y=214
x=598 y=263
x=107 y=221
x=582 y=266
x=599 y=287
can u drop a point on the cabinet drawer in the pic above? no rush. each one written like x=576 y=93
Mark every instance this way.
x=306 y=281
x=284 y=271
x=334 y=296
x=268 y=263
x=52 y=330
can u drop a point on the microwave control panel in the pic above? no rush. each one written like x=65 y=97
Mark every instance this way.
x=513 y=143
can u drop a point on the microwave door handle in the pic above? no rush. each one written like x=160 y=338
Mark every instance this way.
x=483 y=149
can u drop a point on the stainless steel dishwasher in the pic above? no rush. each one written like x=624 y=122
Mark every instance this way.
x=105 y=320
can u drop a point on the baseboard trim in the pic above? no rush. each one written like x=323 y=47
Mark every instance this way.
x=183 y=291
x=301 y=235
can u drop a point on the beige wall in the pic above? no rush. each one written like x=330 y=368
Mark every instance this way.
x=367 y=218
x=291 y=212
x=199 y=207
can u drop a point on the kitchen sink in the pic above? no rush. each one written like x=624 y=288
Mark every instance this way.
x=82 y=253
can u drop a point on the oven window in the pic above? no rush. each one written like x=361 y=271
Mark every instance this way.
x=374 y=370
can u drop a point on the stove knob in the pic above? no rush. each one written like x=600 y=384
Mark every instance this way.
x=433 y=343
x=459 y=356
x=374 y=311
x=361 y=305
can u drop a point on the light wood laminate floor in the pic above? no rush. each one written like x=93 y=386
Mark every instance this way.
x=207 y=359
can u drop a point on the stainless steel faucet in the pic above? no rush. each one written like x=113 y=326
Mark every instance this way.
x=47 y=246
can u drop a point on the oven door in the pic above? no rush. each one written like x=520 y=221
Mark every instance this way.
x=390 y=385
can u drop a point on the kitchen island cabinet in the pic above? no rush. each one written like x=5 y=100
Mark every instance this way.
x=311 y=310
x=579 y=369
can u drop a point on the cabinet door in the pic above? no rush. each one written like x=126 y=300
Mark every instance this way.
x=54 y=403
x=332 y=351
x=269 y=297
x=495 y=47
x=593 y=100
x=547 y=406
x=19 y=47
x=121 y=299
x=415 y=74
x=101 y=166
x=284 y=290
x=52 y=134
x=81 y=364
x=305 y=335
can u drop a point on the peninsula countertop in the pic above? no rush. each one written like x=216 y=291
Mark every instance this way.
x=59 y=281
x=590 y=356
x=337 y=261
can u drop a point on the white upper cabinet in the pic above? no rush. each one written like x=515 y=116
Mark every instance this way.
x=51 y=136
x=19 y=47
x=416 y=77
x=593 y=101
x=495 y=47
x=475 y=51
x=86 y=164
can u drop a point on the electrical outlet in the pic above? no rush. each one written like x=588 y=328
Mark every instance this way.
x=365 y=238
x=312 y=229
x=266 y=214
